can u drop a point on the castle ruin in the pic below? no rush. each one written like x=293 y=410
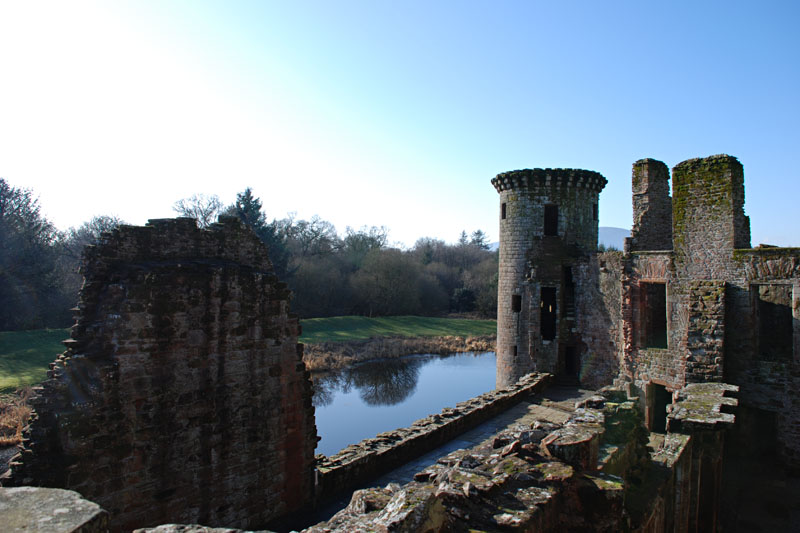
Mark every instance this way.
x=182 y=396
x=689 y=301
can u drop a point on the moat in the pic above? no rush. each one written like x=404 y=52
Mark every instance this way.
x=378 y=396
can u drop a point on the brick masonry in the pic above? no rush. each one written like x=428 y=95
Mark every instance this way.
x=182 y=396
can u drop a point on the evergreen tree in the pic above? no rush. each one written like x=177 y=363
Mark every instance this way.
x=248 y=208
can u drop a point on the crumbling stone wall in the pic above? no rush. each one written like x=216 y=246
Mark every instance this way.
x=592 y=473
x=769 y=382
x=598 y=318
x=652 y=207
x=182 y=396
x=708 y=220
x=714 y=283
x=706 y=333
x=373 y=457
x=687 y=274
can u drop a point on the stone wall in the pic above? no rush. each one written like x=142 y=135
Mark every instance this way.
x=182 y=396
x=708 y=219
x=652 y=207
x=373 y=457
x=592 y=473
x=598 y=318
x=713 y=287
x=530 y=260
x=769 y=382
x=640 y=363
x=706 y=333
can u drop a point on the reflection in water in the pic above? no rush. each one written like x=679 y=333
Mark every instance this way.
x=378 y=396
x=378 y=382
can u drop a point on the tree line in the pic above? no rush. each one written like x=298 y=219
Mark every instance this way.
x=330 y=273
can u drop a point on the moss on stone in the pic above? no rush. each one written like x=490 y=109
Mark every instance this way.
x=606 y=481
x=707 y=176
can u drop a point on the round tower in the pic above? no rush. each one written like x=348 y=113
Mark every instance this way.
x=548 y=224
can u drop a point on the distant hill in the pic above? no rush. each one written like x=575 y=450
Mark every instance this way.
x=613 y=236
x=609 y=236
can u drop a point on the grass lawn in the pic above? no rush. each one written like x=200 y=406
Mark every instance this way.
x=25 y=356
x=348 y=328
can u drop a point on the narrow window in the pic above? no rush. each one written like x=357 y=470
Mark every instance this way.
x=660 y=399
x=568 y=311
x=594 y=211
x=503 y=211
x=548 y=313
x=654 y=307
x=516 y=303
x=774 y=319
x=550 y=220
x=515 y=351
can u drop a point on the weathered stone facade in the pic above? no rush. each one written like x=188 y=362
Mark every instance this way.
x=590 y=473
x=652 y=206
x=548 y=234
x=182 y=396
x=687 y=302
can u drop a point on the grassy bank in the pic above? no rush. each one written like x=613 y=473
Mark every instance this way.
x=25 y=356
x=355 y=328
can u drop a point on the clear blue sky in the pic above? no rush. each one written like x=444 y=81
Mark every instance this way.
x=391 y=113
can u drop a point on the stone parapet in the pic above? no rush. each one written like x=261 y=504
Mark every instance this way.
x=372 y=457
x=549 y=177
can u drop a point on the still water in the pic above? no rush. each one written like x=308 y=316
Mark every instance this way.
x=370 y=398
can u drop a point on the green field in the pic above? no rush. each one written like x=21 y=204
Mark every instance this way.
x=25 y=355
x=349 y=328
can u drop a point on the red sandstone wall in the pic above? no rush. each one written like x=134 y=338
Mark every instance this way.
x=599 y=306
x=182 y=396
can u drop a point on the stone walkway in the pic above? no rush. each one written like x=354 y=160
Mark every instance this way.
x=556 y=405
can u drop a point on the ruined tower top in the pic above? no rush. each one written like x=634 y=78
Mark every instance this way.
x=708 y=220
x=652 y=206
x=182 y=363
x=549 y=177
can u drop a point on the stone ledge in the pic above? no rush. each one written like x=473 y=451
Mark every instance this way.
x=38 y=509
x=373 y=457
x=699 y=406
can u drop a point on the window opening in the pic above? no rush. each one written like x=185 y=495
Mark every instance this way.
x=516 y=303
x=774 y=317
x=548 y=313
x=661 y=399
x=594 y=212
x=569 y=294
x=515 y=351
x=654 y=307
x=550 y=220
x=503 y=211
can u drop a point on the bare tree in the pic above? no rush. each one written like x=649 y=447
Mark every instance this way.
x=204 y=209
